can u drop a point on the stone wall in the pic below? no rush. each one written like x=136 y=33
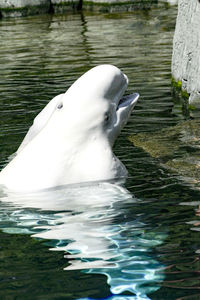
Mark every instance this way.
x=14 y=8
x=62 y=6
x=186 y=49
x=17 y=8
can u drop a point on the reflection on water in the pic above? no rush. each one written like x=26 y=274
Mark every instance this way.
x=145 y=240
x=93 y=225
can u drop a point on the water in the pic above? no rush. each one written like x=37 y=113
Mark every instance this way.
x=138 y=240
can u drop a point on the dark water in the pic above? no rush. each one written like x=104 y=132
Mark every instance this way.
x=139 y=241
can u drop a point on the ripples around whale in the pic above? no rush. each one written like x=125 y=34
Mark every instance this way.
x=100 y=228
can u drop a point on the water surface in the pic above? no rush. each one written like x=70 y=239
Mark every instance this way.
x=138 y=240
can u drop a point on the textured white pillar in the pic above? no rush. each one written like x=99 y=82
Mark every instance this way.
x=186 y=48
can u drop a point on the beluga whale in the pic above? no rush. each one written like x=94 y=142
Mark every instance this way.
x=71 y=139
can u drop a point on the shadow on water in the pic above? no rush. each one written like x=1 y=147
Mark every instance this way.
x=94 y=227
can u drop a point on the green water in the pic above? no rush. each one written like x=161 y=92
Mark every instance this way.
x=143 y=241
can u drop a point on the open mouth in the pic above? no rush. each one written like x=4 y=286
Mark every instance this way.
x=128 y=100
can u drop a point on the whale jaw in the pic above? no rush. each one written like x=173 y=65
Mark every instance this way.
x=124 y=108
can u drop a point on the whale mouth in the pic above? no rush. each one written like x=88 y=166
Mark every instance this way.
x=124 y=107
x=128 y=100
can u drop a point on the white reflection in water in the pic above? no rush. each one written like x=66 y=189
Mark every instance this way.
x=96 y=227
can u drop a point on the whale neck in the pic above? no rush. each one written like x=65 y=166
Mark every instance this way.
x=56 y=167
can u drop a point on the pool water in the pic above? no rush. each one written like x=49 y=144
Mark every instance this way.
x=134 y=240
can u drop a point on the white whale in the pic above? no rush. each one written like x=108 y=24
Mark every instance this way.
x=71 y=139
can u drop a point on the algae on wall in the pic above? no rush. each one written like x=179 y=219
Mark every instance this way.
x=186 y=49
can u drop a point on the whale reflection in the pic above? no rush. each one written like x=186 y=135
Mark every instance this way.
x=99 y=230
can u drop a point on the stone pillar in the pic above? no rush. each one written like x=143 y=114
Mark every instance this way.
x=186 y=49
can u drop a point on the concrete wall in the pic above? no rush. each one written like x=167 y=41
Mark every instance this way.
x=13 y=8
x=17 y=8
x=186 y=49
x=62 y=6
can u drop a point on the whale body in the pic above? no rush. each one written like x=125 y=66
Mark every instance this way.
x=71 y=139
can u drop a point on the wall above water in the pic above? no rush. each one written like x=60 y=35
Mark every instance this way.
x=16 y=8
x=117 y=5
x=186 y=50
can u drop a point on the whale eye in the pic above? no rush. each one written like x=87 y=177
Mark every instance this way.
x=107 y=117
x=60 y=105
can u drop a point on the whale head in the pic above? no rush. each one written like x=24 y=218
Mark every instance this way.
x=94 y=105
x=71 y=140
